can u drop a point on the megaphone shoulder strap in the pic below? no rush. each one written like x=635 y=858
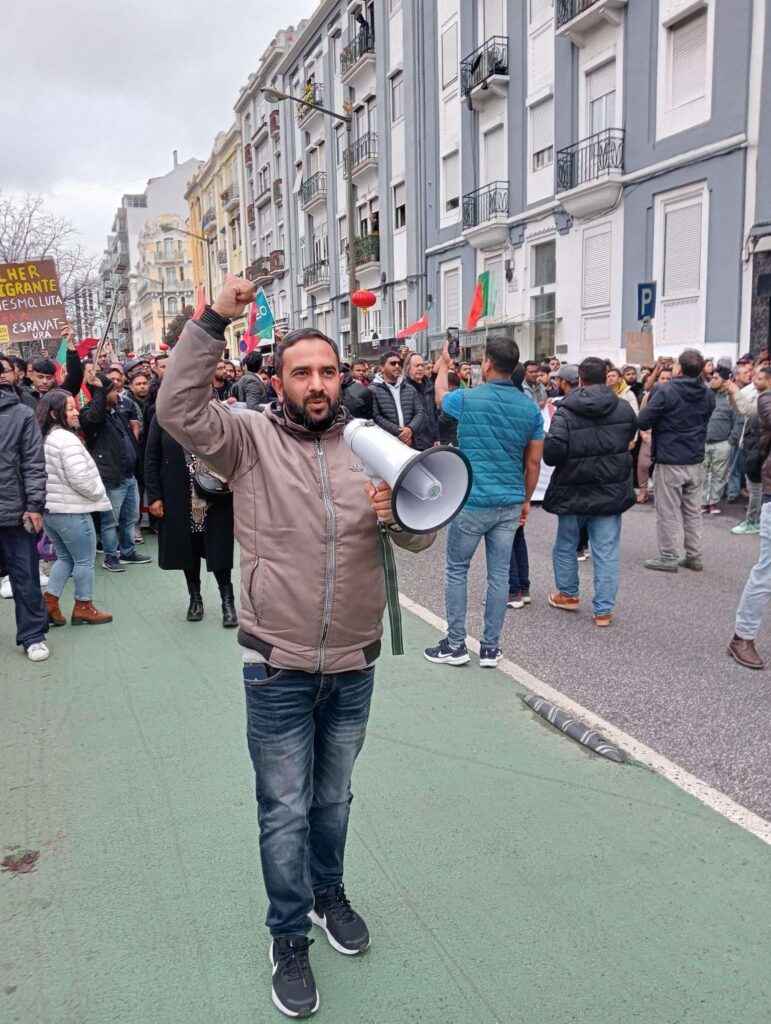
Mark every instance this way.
x=392 y=591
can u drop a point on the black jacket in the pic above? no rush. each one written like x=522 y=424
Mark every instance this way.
x=22 y=460
x=588 y=443
x=251 y=390
x=678 y=412
x=356 y=398
x=73 y=380
x=104 y=438
x=428 y=434
x=384 y=409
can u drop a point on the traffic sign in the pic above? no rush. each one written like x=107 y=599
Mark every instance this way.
x=646 y=300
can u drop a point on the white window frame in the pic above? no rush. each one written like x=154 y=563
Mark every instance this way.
x=671 y=121
x=448 y=268
x=397 y=79
x=663 y=203
x=593 y=232
x=394 y=186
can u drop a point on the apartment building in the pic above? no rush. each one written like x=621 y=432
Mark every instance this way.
x=586 y=146
x=163 y=278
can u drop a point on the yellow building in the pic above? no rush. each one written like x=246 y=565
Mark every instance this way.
x=163 y=280
x=214 y=199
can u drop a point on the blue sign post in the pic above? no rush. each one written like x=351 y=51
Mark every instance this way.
x=646 y=301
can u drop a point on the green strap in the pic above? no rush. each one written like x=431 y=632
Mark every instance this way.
x=392 y=592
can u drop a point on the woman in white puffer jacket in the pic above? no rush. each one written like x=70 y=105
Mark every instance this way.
x=74 y=490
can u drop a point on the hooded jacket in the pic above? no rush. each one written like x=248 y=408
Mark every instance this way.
x=105 y=438
x=724 y=424
x=588 y=444
x=384 y=411
x=356 y=398
x=22 y=462
x=678 y=412
x=312 y=580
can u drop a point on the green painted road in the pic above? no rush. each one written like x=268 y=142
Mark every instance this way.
x=505 y=874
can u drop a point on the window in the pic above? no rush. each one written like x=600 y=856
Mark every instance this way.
x=541 y=134
x=544 y=264
x=449 y=55
x=451 y=180
x=400 y=206
x=492 y=18
x=401 y=314
x=168 y=244
x=495 y=155
x=494 y=266
x=339 y=144
x=688 y=60
x=171 y=277
x=596 y=267
x=171 y=305
x=601 y=98
x=451 y=298
x=540 y=8
x=182 y=273
x=682 y=250
x=397 y=101
x=680 y=264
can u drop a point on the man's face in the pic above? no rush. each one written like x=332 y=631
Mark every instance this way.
x=140 y=386
x=418 y=369
x=554 y=365
x=761 y=380
x=564 y=387
x=542 y=378
x=630 y=375
x=104 y=358
x=665 y=376
x=43 y=382
x=392 y=367
x=112 y=398
x=743 y=374
x=116 y=376
x=220 y=374
x=7 y=375
x=160 y=368
x=230 y=371
x=309 y=385
x=612 y=378
x=264 y=377
x=359 y=372
x=531 y=374
x=465 y=372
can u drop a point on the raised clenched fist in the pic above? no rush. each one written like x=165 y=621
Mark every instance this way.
x=236 y=293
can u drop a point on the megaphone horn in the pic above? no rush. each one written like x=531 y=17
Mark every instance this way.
x=428 y=488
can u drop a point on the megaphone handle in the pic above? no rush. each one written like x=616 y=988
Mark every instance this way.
x=376 y=480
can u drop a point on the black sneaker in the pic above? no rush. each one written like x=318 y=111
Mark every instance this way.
x=489 y=656
x=294 y=989
x=135 y=559
x=445 y=654
x=112 y=564
x=345 y=930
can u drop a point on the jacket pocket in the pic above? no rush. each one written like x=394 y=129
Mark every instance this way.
x=255 y=587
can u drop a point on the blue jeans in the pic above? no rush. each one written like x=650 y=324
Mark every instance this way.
x=22 y=563
x=736 y=474
x=74 y=538
x=304 y=733
x=605 y=540
x=118 y=526
x=757 y=591
x=519 y=566
x=497 y=526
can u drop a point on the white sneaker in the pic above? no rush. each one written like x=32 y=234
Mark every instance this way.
x=37 y=652
x=5 y=587
x=43 y=580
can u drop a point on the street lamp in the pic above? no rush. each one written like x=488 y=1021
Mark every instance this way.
x=275 y=96
x=167 y=228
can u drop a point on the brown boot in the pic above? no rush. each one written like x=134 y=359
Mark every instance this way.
x=84 y=613
x=567 y=604
x=55 y=617
x=743 y=651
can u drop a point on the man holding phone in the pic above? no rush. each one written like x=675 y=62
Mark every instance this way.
x=723 y=432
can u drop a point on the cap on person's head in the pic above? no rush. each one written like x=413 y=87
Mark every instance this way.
x=746 y=358
x=568 y=373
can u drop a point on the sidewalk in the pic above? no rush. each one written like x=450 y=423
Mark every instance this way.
x=505 y=874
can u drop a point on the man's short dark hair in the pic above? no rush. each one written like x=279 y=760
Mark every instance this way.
x=391 y=354
x=252 y=361
x=302 y=334
x=139 y=373
x=160 y=356
x=18 y=363
x=47 y=366
x=765 y=370
x=691 y=362
x=529 y=362
x=593 y=371
x=503 y=353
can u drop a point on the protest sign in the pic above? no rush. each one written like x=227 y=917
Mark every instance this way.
x=31 y=305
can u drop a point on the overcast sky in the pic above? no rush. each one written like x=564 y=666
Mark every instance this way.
x=99 y=94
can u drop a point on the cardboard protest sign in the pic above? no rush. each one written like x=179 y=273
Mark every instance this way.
x=639 y=347
x=31 y=305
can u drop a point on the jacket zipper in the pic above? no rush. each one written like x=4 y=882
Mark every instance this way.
x=329 y=584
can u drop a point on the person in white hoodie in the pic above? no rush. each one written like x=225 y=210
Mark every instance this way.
x=74 y=490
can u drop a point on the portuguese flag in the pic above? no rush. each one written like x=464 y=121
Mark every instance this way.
x=61 y=361
x=483 y=301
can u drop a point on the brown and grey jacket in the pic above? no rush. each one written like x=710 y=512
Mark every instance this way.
x=312 y=579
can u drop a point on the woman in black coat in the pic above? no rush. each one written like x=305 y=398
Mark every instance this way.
x=189 y=529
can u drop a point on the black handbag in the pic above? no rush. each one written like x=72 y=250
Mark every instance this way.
x=206 y=484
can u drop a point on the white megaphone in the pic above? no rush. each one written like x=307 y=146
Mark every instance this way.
x=429 y=488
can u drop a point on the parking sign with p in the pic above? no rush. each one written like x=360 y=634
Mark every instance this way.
x=646 y=300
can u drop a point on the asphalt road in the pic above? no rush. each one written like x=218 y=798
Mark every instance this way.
x=661 y=671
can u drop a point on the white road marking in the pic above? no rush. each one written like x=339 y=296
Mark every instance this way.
x=702 y=791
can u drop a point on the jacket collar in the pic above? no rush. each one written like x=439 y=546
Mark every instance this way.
x=275 y=413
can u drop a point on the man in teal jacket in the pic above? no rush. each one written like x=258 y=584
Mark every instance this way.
x=501 y=433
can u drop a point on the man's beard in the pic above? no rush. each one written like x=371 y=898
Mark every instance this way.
x=299 y=414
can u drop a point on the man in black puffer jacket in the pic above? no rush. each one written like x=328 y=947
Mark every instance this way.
x=356 y=398
x=589 y=443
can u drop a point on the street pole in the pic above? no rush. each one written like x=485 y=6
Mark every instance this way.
x=354 y=319
x=208 y=267
x=163 y=310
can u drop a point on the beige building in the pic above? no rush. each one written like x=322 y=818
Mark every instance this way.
x=162 y=280
x=213 y=198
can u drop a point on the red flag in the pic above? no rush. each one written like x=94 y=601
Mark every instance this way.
x=201 y=297
x=481 y=303
x=249 y=340
x=417 y=328
x=85 y=346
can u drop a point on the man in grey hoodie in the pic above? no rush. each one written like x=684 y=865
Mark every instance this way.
x=396 y=408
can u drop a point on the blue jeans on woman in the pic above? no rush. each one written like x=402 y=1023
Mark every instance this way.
x=497 y=526
x=304 y=732
x=605 y=540
x=74 y=538
x=519 y=566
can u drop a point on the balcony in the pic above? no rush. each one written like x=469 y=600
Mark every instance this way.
x=278 y=193
x=363 y=154
x=230 y=198
x=259 y=270
x=120 y=259
x=313 y=94
x=316 y=276
x=576 y=18
x=263 y=196
x=313 y=190
x=589 y=173
x=260 y=132
x=484 y=74
x=209 y=219
x=366 y=251
x=222 y=257
x=250 y=215
x=275 y=124
x=277 y=265
x=485 y=215
x=248 y=156
x=357 y=55
x=169 y=256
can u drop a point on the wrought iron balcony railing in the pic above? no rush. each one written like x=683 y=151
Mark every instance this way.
x=259 y=268
x=485 y=203
x=569 y=9
x=590 y=159
x=222 y=257
x=363 y=149
x=313 y=93
x=491 y=58
x=278 y=195
x=316 y=274
x=362 y=44
x=209 y=218
x=277 y=265
x=229 y=196
x=313 y=187
x=366 y=250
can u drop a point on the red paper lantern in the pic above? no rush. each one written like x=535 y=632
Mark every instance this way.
x=130 y=355
x=163 y=348
x=363 y=299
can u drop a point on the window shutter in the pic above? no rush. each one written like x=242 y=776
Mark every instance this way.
x=682 y=251
x=450 y=121
x=449 y=54
x=451 y=168
x=493 y=18
x=689 y=60
x=596 y=290
x=601 y=81
x=451 y=303
x=495 y=155
x=400 y=194
x=540 y=64
x=540 y=8
x=542 y=126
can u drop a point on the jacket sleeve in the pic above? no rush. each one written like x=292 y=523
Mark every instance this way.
x=555 y=445
x=742 y=404
x=253 y=390
x=33 y=466
x=764 y=411
x=74 y=379
x=418 y=416
x=653 y=410
x=153 y=463
x=377 y=412
x=93 y=415
x=80 y=471
x=185 y=408
x=412 y=541
x=737 y=427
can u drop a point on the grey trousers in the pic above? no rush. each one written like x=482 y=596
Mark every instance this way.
x=678 y=509
x=717 y=465
x=755 y=504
